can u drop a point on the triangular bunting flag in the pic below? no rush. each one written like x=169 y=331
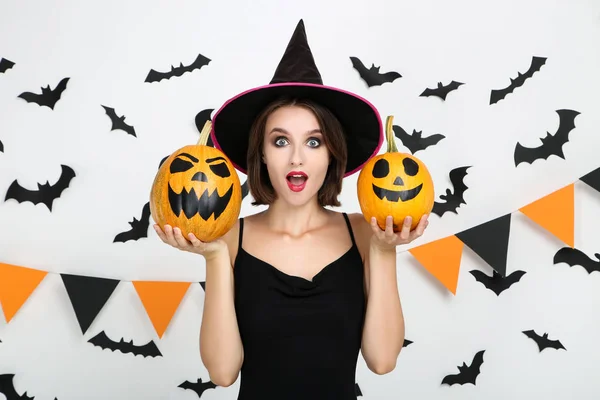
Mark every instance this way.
x=161 y=300
x=555 y=213
x=592 y=179
x=490 y=241
x=16 y=285
x=203 y=284
x=442 y=259
x=88 y=295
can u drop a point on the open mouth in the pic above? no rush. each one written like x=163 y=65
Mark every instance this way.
x=395 y=195
x=205 y=205
x=296 y=180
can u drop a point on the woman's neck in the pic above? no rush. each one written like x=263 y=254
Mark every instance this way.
x=295 y=221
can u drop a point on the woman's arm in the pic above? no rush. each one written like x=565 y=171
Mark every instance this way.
x=220 y=343
x=383 y=330
x=221 y=348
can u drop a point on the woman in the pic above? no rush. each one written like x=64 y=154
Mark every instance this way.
x=293 y=293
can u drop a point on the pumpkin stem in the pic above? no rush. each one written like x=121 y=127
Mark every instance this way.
x=204 y=134
x=389 y=135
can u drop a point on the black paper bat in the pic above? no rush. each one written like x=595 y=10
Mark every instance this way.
x=543 y=342
x=496 y=283
x=551 y=144
x=199 y=62
x=1 y=147
x=45 y=193
x=49 y=97
x=5 y=65
x=7 y=388
x=441 y=91
x=372 y=76
x=467 y=374
x=416 y=142
x=139 y=229
x=453 y=199
x=407 y=342
x=357 y=391
x=498 y=94
x=118 y=122
x=104 y=342
x=199 y=387
x=577 y=257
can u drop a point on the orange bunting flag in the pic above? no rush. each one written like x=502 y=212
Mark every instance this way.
x=161 y=300
x=16 y=285
x=442 y=259
x=555 y=213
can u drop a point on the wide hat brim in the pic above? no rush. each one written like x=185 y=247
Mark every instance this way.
x=360 y=120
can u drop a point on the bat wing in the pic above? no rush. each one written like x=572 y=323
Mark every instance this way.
x=511 y=279
x=149 y=350
x=408 y=141
x=55 y=191
x=363 y=72
x=453 y=379
x=453 y=199
x=573 y=257
x=389 y=77
x=1 y=147
x=7 y=387
x=498 y=94
x=481 y=277
x=430 y=92
x=31 y=97
x=475 y=368
x=430 y=140
x=5 y=65
x=198 y=63
x=155 y=76
x=139 y=229
x=102 y=341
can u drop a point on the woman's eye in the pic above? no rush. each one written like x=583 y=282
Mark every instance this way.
x=314 y=142
x=280 y=141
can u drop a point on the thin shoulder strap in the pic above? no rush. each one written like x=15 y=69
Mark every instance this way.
x=241 y=232
x=349 y=228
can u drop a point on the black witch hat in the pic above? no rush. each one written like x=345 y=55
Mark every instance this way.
x=297 y=76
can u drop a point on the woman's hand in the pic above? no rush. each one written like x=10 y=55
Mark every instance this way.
x=388 y=239
x=175 y=238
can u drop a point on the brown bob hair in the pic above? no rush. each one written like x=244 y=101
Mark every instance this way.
x=333 y=137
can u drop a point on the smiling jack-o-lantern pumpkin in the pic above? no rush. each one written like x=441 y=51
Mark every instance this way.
x=197 y=190
x=396 y=184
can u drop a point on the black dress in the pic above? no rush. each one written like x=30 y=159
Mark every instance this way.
x=301 y=338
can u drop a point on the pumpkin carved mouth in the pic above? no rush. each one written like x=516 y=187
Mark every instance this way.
x=395 y=195
x=205 y=205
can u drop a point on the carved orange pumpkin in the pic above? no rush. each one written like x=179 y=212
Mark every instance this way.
x=396 y=184
x=197 y=190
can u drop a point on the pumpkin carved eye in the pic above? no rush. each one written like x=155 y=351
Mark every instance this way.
x=381 y=168
x=219 y=169
x=411 y=168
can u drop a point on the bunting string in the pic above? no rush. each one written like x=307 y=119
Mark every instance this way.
x=441 y=258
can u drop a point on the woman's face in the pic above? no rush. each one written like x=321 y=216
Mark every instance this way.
x=294 y=153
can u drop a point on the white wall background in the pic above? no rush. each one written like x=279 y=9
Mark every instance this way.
x=107 y=49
